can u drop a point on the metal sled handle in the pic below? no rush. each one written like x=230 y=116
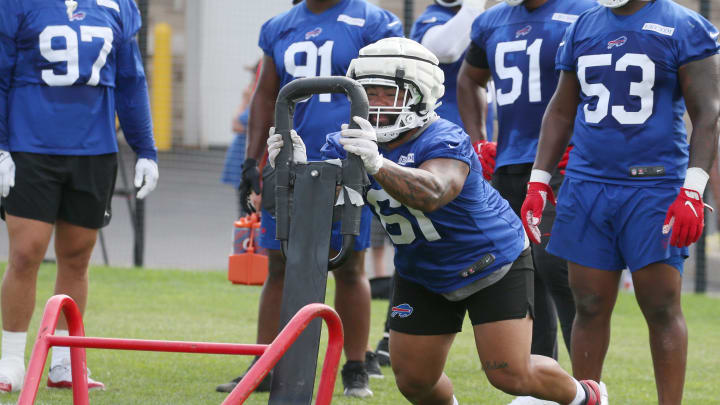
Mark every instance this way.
x=353 y=171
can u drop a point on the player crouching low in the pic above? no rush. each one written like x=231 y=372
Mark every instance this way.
x=459 y=246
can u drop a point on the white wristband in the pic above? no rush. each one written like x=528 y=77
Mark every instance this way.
x=540 y=176
x=696 y=179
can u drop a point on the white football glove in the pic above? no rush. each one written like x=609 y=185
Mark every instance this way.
x=7 y=172
x=275 y=143
x=362 y=142
x=146 y=171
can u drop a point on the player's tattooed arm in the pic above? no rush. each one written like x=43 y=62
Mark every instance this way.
x=262 y=109
x=472 y=100
x=426 y=188
x=700 y=83
x=558 y=121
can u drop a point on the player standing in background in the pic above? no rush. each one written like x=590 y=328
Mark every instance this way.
x=314 y=38
x=66 y=68
x=515 y=44
x=628 y=70
x=459 y=246
x=440 y=21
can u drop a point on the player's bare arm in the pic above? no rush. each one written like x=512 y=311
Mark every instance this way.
x=700 y=83
x=472 y=100
x=426 y=188
x=262 y=109
x=557 y=125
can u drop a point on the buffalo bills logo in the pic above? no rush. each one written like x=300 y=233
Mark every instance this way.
x=523 y=31
x=617 y=42
x=401 y=311
x=77 y=16
x=312 y=34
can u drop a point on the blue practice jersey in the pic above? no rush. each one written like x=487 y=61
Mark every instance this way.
x=433 y=16
x=629 y=125
x=434 y=248
x=304 y=44
x=520 y=46
x=63 y=75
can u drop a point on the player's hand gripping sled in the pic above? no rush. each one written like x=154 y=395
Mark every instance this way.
x=304 y=201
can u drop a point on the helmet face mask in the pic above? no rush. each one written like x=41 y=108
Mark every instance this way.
x=410 y=84
x=391 y=120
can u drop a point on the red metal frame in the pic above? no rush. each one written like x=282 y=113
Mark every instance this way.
x=269 y=354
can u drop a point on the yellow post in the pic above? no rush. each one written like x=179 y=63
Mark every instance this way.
x=161 y=95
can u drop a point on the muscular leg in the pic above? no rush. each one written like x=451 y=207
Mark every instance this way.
x=270 y=308
x=595 y=292
x=504 y=350
x=29 y=240
x=352 y=302
x=658 y=290
x=420 y=378
x=73 y=247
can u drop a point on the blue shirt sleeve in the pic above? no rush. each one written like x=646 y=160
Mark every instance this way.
x=477 y=32
x=384 y=24
x=9 y=22
x=565 y=58
x=132 y=102
x=131 y=20
x=698 y=41
x=265 y=41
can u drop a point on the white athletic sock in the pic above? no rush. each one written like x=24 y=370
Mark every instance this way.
x=13 y=345
x=580 y=395
x=455 y=402
x=60 y=354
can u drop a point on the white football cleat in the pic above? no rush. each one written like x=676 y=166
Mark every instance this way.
x=531 y=401
x=12 y=375
x=60 y=376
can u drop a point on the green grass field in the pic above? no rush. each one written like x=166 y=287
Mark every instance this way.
x=204 y=306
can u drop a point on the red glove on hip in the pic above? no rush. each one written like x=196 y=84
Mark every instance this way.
x=486 y=152
x=533 y=206
x=685 y=218
x=564 y=161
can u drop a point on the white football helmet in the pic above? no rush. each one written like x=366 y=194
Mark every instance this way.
x=513 y=3
x=400 y=63
x=449 y=3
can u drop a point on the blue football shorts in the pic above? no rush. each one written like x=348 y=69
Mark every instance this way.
x=362 y=241
x=612 y=227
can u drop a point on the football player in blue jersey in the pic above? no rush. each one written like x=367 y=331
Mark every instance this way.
x=459 y=247
x=66 y=68
x=442 y=20
x=314 y=38
x=514 y=44
x=633 y=193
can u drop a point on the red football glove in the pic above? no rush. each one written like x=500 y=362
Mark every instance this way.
x=486 y=152
x=533 y=206
x=686 y=218
x=564 y=161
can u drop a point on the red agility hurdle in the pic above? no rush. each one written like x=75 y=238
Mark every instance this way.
x=269 y=354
